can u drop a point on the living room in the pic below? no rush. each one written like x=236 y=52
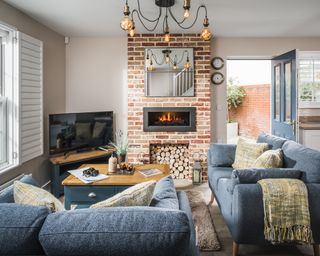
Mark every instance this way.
x=89 y=64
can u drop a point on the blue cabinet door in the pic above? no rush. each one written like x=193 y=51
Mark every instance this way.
x=284 y=96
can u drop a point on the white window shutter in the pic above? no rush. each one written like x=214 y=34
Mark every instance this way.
x=31 y=97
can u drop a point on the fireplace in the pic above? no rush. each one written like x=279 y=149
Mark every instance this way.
x=169 y=119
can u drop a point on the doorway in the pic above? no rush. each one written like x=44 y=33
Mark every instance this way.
x=248 y=98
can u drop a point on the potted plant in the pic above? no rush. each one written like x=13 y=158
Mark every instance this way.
x=235 y=95
x=121 y=146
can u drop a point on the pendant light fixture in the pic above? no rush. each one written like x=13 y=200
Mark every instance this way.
x=128 y=22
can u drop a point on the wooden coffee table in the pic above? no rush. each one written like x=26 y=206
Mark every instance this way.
x=83 y=195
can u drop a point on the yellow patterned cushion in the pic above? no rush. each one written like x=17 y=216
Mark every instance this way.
x=247 y=152
x=270 y=159
x=31 y=195
x=138 y=195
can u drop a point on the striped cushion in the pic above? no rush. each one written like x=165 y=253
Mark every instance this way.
x=138 y=195
x=270 y=159
x=31 y=195
x=247 y=152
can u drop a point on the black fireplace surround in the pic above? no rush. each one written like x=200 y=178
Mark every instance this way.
x=170 y=119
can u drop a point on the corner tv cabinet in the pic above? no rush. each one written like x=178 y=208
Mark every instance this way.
x=60 y=166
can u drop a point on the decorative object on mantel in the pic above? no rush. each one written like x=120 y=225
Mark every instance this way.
x=217 y=63
x=128 y=24
x=217 y=78
x=121 y=146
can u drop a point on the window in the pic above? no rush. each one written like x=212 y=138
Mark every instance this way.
x=8 y=99
x=21 y=109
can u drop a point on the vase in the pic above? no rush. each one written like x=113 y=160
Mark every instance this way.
x=121 y=158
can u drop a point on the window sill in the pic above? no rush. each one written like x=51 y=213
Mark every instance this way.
x=7 y=168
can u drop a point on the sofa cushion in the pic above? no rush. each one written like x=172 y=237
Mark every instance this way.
x=269 y=159
x=274 y=142
x=165 y=195
x=247 y=152
x=216 y=173
x=304 y=159
x=137 y=195
x=116 y=231
x=31 y=195
x=19 y=229
x=221 y=155
x=6 y=195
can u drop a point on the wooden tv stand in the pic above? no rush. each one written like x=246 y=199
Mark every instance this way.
x=60 y=166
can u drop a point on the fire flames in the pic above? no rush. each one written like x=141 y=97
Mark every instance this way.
x=168 y=117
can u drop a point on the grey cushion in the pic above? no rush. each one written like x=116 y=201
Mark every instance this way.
x=19 y=229
x=165 y=195
x=304 y=159
x=6 y=195
x=116 y=231
x=221 y=155
x=273 y=141
x=252 y=176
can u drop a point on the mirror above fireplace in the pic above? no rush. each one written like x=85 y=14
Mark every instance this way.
x=169 y=72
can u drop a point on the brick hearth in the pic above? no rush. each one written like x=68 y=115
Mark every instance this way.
x=140 y=141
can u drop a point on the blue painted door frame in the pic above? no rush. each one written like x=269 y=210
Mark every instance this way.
x=284 y=96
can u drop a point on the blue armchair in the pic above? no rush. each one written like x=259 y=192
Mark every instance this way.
x=239 y=197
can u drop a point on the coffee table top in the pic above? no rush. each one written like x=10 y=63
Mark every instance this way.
x=119 y=180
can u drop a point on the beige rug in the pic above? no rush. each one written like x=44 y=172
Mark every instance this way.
x=207 y=236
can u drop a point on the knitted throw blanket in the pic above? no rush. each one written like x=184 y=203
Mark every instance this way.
x=286 y=211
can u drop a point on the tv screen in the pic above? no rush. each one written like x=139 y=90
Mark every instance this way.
x=76 y=131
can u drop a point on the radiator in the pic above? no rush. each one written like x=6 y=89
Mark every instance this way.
x=10 y=182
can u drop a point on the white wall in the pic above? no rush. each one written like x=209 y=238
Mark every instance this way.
x=96 y=76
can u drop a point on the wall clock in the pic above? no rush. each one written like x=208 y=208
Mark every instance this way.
x=217 y=63
x=217 y=78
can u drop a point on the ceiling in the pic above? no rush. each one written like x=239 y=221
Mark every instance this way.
x=228 y=18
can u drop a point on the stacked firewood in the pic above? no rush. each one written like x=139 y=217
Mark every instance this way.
x=176 y=155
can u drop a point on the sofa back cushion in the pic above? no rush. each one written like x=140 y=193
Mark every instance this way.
x=165 y=195
x=304 y=159
x=274 y=142
x=19 y=229
x=221 y=155
x=6 y=195
x=116 y=231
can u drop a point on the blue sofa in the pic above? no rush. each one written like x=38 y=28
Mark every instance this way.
x=165 y=228
x=240 y=197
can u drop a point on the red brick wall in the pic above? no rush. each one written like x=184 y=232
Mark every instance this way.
x=253 y=115
x=139 y=141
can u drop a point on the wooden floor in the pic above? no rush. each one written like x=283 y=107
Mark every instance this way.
x=246 y=250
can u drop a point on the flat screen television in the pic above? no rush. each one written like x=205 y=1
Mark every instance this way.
x=78 y=131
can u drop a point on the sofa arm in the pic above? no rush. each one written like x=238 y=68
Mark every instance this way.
x=221 y=155
x=252 y=176
x=314 y=206
x=116 y=231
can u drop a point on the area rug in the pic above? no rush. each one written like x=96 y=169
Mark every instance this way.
x=206 y=234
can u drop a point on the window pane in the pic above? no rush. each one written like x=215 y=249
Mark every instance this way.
x=3 y=135
x=277 y=92
x=287 y=73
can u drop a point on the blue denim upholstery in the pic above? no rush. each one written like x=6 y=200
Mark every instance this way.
x=304 y=159
x=19 y=229
x=240 y=197
x=221 y=155
x=273 y=141
x=6 y=195
x=165 y=195
x=116 y=231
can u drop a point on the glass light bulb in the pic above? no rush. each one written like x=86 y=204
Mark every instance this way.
x=175 y=66
x=206 y=34
x=126 y=23
x=167 y=59
x=186 y=13
x=131 y=32
x=167 y=37
x=151 y=68
x=187 y=65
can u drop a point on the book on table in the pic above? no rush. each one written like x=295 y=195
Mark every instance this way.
x=151 y=172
